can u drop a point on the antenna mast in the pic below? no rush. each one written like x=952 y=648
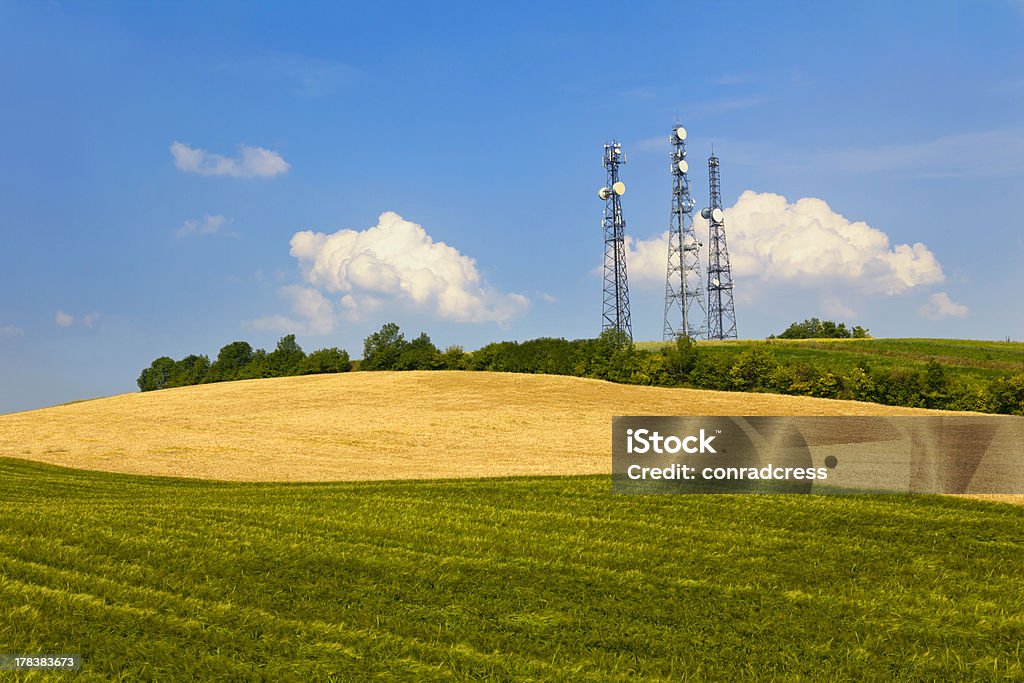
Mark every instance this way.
x=682 y=278
x=721 y=313
x=616 y=291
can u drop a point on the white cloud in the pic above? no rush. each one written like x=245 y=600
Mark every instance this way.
x=252 y=162
x=940 y=307
x=11 y=331
x=63 y=319
x=207 y=225
x=315 y=313
x=89 y=319
x=396 y=261
x=646 y=261
x=805 y=245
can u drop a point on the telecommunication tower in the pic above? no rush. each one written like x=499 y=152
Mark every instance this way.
x=616 y=291
x=721 y=313
x=682 y=279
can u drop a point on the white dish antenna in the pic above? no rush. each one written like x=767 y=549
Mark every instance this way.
x=715 y=281
x=717 y=215
x=705 y=214
x=619 y=188
x=604 y=193
x=681 y=133
x=682 y=166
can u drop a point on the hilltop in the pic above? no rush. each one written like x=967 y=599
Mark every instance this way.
x=371 y=426
x=969 y=359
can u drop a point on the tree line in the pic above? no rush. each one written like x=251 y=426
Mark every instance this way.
x=812 y=328
x=238 y=360
x=613 y=357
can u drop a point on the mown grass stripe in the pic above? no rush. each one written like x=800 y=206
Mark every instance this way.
x=546 y=579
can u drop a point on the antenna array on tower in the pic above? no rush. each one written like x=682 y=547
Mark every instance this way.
x=721 y=313
x=616 y=290
x=682 y=278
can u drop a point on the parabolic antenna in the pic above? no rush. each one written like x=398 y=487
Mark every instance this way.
x=681 y=133
x=683 y=166
x=705 y=214
x=604 y=193
x=619 y=188
x=717 y=215
x=715 y=281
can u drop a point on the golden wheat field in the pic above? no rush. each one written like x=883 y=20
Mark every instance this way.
x=371 y=425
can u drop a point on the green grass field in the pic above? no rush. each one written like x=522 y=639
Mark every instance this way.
x=547 y=578
x=967 y=359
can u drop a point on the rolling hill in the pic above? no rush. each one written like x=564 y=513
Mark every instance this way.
x=371 y=425
x=284 y=574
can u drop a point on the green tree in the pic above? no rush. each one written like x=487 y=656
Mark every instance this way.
x=1006 y=395
x=325 y=361
x=258 y=367
x=419 y=354
x=454 y=358
x=753 y=369
x=189 y=370
x=614 y=357
x=285 y=360
x=382 y=349
x=648 y=368
x=858 y=385
x=936 y=385
x=812 y=328
x=157 y=375
x=231 y=362
x=680 y=360
x=828 y=386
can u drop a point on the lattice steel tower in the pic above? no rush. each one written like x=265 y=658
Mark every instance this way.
x=682 y=280
x=616 y=291
x=721 y=313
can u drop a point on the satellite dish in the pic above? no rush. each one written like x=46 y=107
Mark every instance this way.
x=683 y=166
x=715 y=281
x=717 y=215
x=705 y=214
x=619 y=188
x=681 y=133
x=604 y=193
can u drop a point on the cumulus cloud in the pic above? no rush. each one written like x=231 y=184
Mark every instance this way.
x=397 y=261
x=351 y=274
x=940 y=307
x=63 y=319
x=11 y=331
x=804 y=244
x=252 y=162
x=207 y=225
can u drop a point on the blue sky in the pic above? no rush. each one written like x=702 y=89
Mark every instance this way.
x=845 y=131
